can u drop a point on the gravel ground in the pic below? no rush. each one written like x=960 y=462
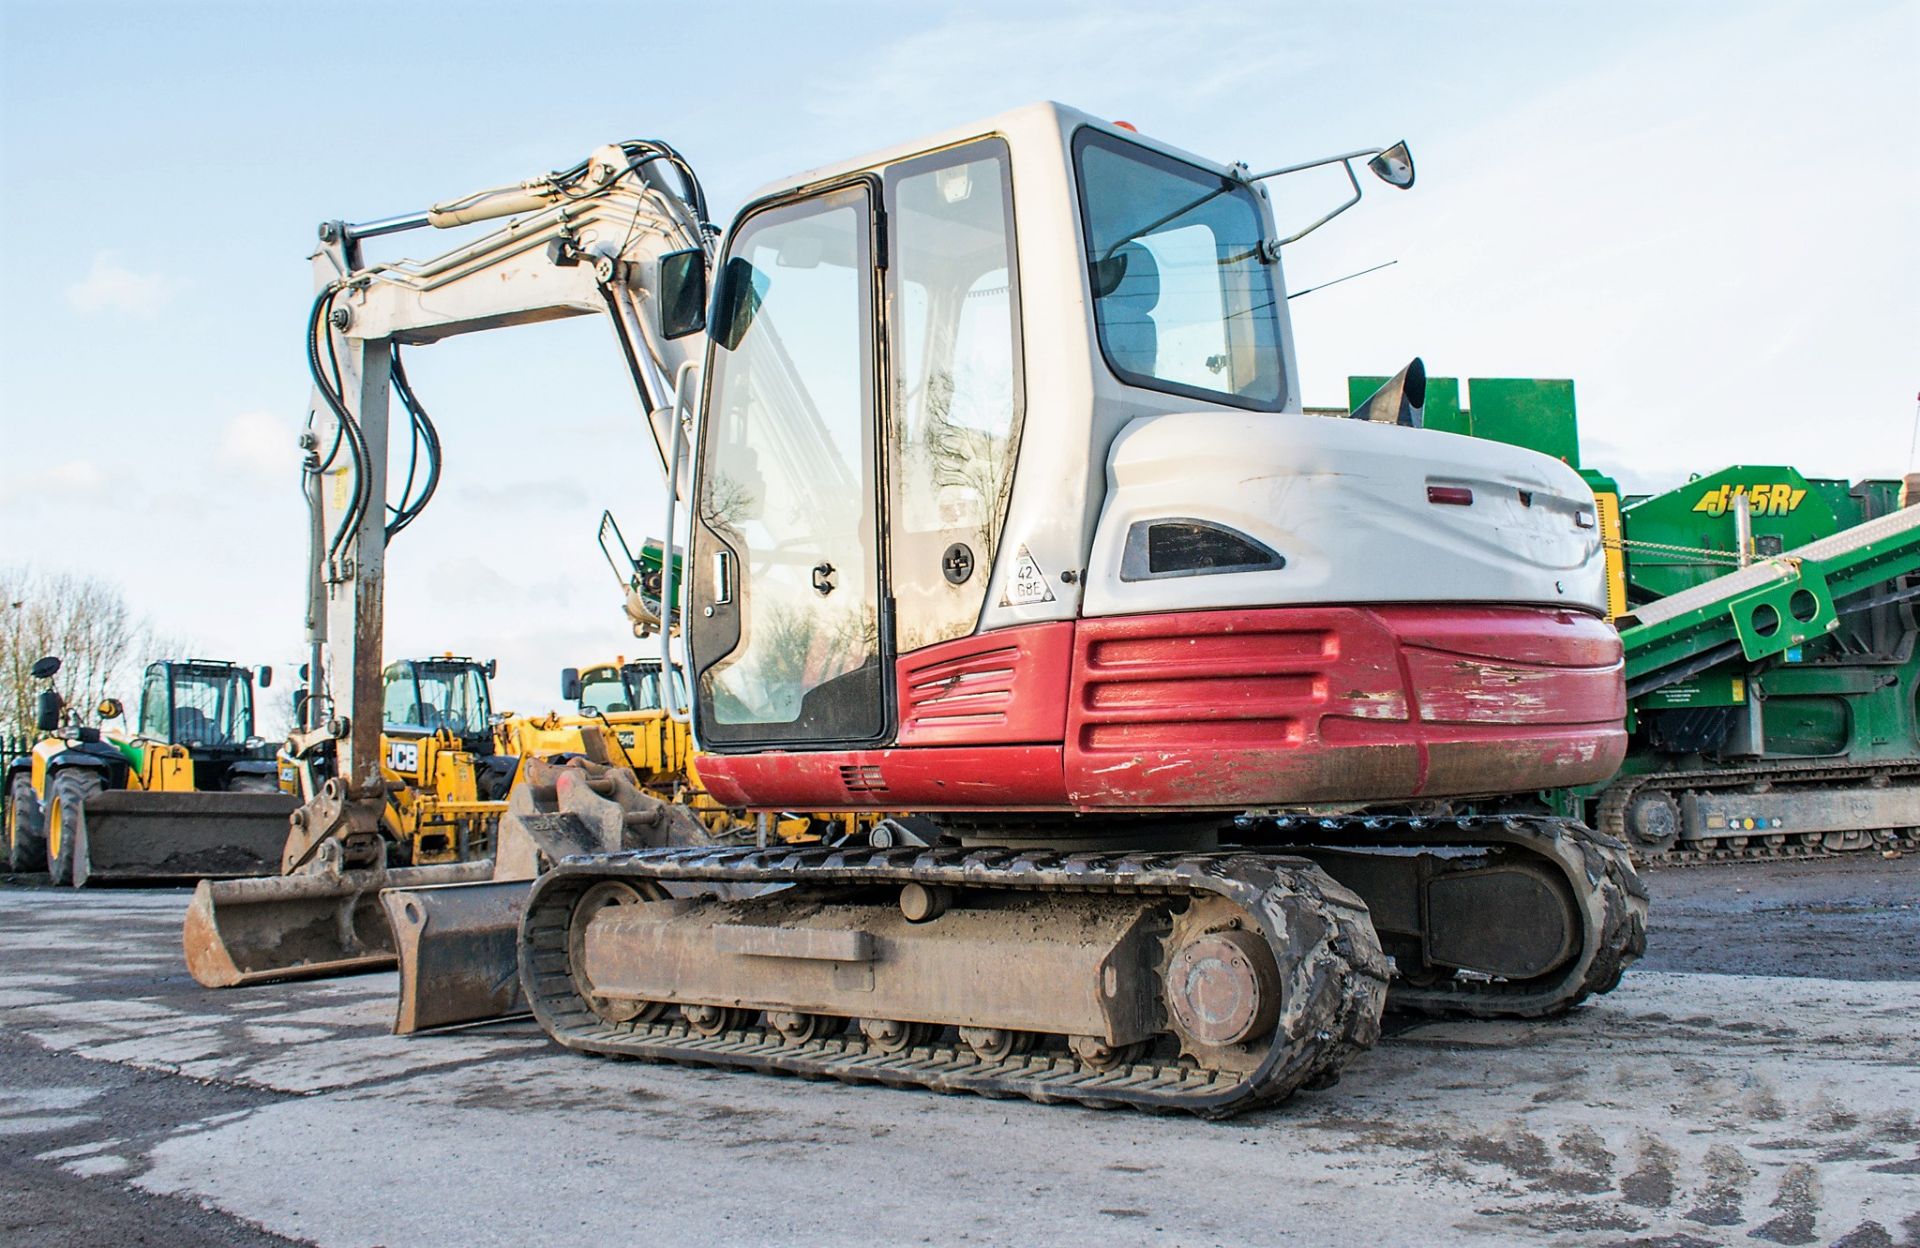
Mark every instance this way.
x=1755 y=1080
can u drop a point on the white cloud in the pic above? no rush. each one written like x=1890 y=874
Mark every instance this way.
x=260 y=444
x=35 y=487
x=76 y=474
x=110 y=286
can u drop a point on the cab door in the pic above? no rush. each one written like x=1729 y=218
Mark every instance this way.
x=786 y=636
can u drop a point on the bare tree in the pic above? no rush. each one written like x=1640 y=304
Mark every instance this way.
x=84 y=620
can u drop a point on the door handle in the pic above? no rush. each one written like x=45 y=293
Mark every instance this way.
x=823 y=579
x=722 y=577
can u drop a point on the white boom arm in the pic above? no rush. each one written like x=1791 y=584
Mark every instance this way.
x=582 y=241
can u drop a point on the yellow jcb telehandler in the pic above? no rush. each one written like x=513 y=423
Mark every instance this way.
x=188 y=794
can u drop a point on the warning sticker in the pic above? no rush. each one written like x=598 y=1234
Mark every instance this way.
x=1027 y=585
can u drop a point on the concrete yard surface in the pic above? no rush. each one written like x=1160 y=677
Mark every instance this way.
x=1756 y=1080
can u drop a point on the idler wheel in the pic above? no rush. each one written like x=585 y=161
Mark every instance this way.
x=891 y=1035
x=801 y=1028
x=996 y=1044
x=597 y=898
x=713 y=1020
x=1653 y=820
x=1223 y=989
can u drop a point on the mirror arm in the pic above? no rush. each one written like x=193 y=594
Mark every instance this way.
x=1345 y=158
x=1271 y=250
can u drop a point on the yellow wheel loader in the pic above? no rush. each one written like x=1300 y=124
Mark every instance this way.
x=189 y=794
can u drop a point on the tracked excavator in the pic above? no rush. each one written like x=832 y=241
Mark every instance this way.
x=1003 y=510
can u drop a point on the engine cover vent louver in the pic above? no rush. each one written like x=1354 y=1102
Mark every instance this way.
x=1181 y=546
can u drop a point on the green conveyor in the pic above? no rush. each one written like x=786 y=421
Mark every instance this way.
x=1767 y=607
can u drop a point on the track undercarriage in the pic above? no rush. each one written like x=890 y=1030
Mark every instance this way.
x=1765 y=812
x=1210 y=982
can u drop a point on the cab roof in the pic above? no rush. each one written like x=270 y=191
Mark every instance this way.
x=1047 y=119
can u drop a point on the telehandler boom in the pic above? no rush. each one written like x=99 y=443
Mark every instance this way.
x=1002 y=509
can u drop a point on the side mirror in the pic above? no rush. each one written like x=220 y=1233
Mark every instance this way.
x=492 y=668
x=683 y=292
x=569 y=684
x=304 y=676
x=44 y=669
x=47 y=708
x=1402 y=401
x=736 y=301
x=110 y=708
x=1394 y=166
x=266 y=677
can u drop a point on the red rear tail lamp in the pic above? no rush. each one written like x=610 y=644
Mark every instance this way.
x=1450 y=495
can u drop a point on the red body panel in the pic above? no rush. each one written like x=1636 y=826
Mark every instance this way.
x=988 y=689
x=1227 y=710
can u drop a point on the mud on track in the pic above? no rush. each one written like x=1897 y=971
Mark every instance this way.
x=1755 y=1081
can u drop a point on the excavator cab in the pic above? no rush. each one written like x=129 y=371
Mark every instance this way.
x=1177 y=591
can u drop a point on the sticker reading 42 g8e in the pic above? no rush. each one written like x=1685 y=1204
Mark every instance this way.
x=1028 y=584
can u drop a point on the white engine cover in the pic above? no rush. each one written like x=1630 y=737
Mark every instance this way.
x=1345 y=502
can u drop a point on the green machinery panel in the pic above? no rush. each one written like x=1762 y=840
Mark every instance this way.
x=1537 y=413
x=1787 y=510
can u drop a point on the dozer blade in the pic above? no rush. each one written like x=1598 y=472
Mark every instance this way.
x=179 y=837
x=458 y=949
x=300 y=926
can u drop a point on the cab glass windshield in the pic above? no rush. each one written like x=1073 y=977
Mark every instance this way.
x=1182 y=299
x=212 y=706
x=432 y=696
x=635 y=687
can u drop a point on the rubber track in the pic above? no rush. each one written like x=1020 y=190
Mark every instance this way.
x=1612 y=813
x=1598 y=868
x=1333 y=972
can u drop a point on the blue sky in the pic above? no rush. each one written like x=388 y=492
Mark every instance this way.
x=1703 y=213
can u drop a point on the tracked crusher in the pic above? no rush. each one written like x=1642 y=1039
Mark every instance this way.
x=1036 y=543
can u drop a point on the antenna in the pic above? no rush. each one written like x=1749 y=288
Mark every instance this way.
x=1336 y=281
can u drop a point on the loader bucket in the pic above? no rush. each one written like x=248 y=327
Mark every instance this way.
x=458 y=957
x=300 y=926
x=179 y=837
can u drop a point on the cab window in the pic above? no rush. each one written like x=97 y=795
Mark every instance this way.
x=957 y=391
x=1183 y=300
x=155 y=707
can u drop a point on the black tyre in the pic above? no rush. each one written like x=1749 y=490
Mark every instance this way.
x=26 y=845
x=67 y=820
